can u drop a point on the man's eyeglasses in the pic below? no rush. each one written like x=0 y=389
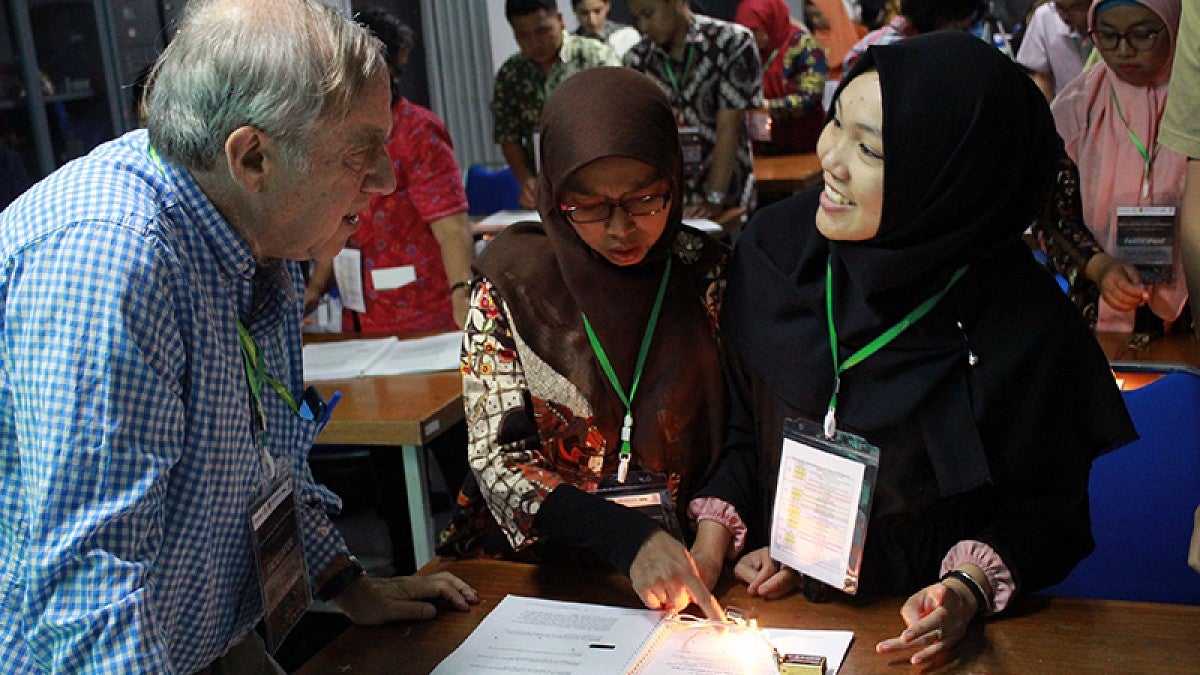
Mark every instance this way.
x=1138 y=39
x=647 y=205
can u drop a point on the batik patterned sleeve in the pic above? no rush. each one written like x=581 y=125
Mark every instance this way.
x=504 y=448
x=506 y=103
x=92 y=359
x=804 y=74
x=741 y=84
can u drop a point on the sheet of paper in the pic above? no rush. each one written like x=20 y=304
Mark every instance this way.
x=705 y=225
x=816 y=506
x=707 y=649
x=531 y=635
x=832 y=644
x=344 y=359
x=347 y=271
x=420 y=355
x=499 y=220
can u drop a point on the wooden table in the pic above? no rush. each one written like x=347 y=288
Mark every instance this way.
x=1044 y=635
x=786 y=173
x=398 y=411
x=1138 y=359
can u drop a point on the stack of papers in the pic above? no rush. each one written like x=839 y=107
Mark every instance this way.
x=382 y=356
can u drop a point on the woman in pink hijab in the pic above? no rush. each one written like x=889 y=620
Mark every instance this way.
x=1109 y=118
x=793 y=79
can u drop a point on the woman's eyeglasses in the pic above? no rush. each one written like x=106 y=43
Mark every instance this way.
x=647 y=205
x=1138 y=39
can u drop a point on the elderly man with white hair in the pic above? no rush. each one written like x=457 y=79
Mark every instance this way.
x=155 y=498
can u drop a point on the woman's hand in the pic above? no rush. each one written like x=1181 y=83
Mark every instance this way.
x=1120 y=285
x=936 y=618
x=1194 y=549
x=665 y=576
x=765 y=577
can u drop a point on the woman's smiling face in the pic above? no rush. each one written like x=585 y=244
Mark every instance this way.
x=851 y=152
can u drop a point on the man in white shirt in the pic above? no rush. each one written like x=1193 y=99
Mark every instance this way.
x=1056 y=44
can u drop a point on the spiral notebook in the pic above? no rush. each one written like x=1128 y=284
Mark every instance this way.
x=533 y=635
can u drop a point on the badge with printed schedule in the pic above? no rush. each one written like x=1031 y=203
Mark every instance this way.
x=822 y=502
x=279 y=556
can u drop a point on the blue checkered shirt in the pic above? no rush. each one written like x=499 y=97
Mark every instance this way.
x=128 y=461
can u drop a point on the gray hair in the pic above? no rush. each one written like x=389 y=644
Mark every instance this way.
x=278 y=65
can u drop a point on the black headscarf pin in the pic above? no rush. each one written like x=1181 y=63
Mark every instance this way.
x=972 y=359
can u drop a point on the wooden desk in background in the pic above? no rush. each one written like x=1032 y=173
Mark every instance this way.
x=398 y=411
x=786 y=173
x=1044 y=635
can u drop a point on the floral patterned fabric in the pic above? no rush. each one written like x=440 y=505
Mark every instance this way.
x=530 y=428
x=394 y=230
x=794 y=86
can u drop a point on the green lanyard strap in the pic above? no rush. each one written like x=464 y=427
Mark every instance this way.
x=606 y=365
x=687 y=69
x=874 y=345
x=256 y=374
x=1147 y=155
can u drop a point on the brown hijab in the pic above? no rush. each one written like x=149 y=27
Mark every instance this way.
x=547 y=275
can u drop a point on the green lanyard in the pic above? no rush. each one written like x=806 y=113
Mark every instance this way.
x=1147 y=156
x=874 y=345
x=627 y=399
x=770 y=58
x=687 y=69
x=256 y=374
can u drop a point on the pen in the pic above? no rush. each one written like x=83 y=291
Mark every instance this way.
x=330 y=405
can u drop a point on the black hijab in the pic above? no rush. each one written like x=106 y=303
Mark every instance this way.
x=548 y=275
x=969 y=147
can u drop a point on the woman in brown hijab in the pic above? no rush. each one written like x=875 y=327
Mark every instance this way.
x=595 y=327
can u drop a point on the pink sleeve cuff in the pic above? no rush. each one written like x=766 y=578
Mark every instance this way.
x=712 y=508
x=985 y=558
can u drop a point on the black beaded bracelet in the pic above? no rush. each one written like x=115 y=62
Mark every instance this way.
x=342 y=580
x=465 y=283
x=981 y=602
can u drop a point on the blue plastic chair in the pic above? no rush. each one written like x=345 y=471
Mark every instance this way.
x=1143 y=497
x=491 y=189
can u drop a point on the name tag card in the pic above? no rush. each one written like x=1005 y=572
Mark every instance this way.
x=822 y=503
x=646 y=492
x=279 y=554
x=1146 y=240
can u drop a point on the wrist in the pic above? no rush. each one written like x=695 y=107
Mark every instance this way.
x=970 y=588
x=464 y=285
x=340 y=575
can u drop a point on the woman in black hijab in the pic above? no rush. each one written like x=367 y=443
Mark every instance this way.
x=609 y=285
x=989 y=408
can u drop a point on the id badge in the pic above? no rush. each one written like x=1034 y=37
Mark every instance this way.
x=643 y=491
x=693 y=155
x=1146 y=240
x=279 y=556
x=822 y=503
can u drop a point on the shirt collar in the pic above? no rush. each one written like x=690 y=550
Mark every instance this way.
x=235 y=258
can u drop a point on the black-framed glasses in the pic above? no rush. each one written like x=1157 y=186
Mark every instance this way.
x=646 y=205
x=1138 y=39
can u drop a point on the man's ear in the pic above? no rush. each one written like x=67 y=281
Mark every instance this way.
x=246 y=153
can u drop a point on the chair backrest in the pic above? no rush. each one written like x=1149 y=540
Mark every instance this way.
x=1143 y=497
x=491 y=189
